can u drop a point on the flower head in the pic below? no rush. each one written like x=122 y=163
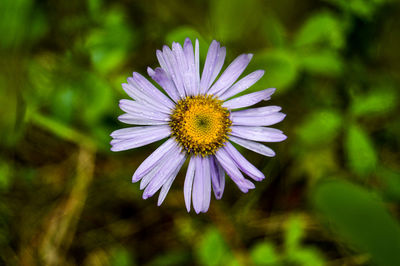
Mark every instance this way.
x=197 y=114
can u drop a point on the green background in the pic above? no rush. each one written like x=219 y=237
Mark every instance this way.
x=332 y=193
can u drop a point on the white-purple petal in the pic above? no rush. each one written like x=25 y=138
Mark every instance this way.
x=244 y=165
x=231 y=169
x=264 y=134
x=217 y=177
x=257 y=120
x=191 y=73
x=187 y=188
x=152 y=160
x=138 y=132
x=175 y=72
x=260 y=111
x=209 y=66
x=162 y=78
x=134 y=120
x=167 y=185
x=138 y=111
x=253 y=146
x=162 y=177
x=249 y=99
x=139 y=141
x=201 y=185
x=197 y=65
x=241 y=85
x=231 y=74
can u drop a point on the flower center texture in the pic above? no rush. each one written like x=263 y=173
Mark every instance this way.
x=200 y=124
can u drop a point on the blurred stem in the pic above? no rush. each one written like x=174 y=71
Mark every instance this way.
x=61 y=130
x=62 y=222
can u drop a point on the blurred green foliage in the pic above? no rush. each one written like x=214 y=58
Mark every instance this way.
x=333 y=191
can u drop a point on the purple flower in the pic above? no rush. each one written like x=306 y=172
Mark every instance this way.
x=198 y=117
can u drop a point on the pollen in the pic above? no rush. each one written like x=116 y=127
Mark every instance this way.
x=200 y=124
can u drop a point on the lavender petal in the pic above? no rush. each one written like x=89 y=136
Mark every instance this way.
x=167 y=185
x=253 y=146
x=249 y=99
x=231 y=74
x=202 y=185
x=244 y=165
x=156 y=156
x=217 y=178
x=162 y=78
x=260 y=111
x=258 y=120
x=265 y=134
x=209 y=66
x=241 y=85
x=134 y=120
x=187 y=189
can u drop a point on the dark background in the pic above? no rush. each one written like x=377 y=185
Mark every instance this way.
x=332 y=193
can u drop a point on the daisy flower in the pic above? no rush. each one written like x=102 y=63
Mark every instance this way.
x=200 y=119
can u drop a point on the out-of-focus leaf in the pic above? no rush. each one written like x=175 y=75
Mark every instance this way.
x=306 y=257
x=5 y=175
x=264 y=253
x=181 y=33
x=360 y=218
x=293 y=233
x=172 y=258
x=273 y=31
x=324 y=62
x=232 y=19
x=391 y=182
x=121 y=257
x=280 y=67
x=212 y=249
x=109 y=46
x=323 y=29
x=320 y=127
x=14 y=22
x=361 y=155
x=376 y=102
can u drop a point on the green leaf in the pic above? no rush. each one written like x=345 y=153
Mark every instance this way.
x=264 y=253
x=320 y=127
x=391 y=182
x=280 y=67
x=324 y=62
x=379 y=101
x=293 y=233
x=361 y=155
x=360 y=218
x=212 y=249
x=307 y=257
x=121 y=257
x=5 y=175
x=231 y=19
x=323 y=29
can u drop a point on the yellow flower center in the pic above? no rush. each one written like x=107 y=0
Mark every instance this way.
x=200 y=124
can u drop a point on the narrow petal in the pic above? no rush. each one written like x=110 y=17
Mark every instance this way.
x=139 y=111
x=260 y=111
x=166 y=172
x=137 y=132
x=175 y=72
x=155 y=169
x=231 y=169
x=138 y=96
x=187 y=189
x=258 y=120
x=191 y=75
x=217 y=178
x=146 y=97
x=244 y=165
x=150 y=161
x=150 y=90
x=141 y=140
x=265 y=134
x=197 y=65
x=253 y=146
x=202 y=185
x=134 y=120
x=231 y=73
x=214 y=61
x=167 y=185
x=183 y=66
x=241 y=85
x=162 y=78
x=249 y=99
